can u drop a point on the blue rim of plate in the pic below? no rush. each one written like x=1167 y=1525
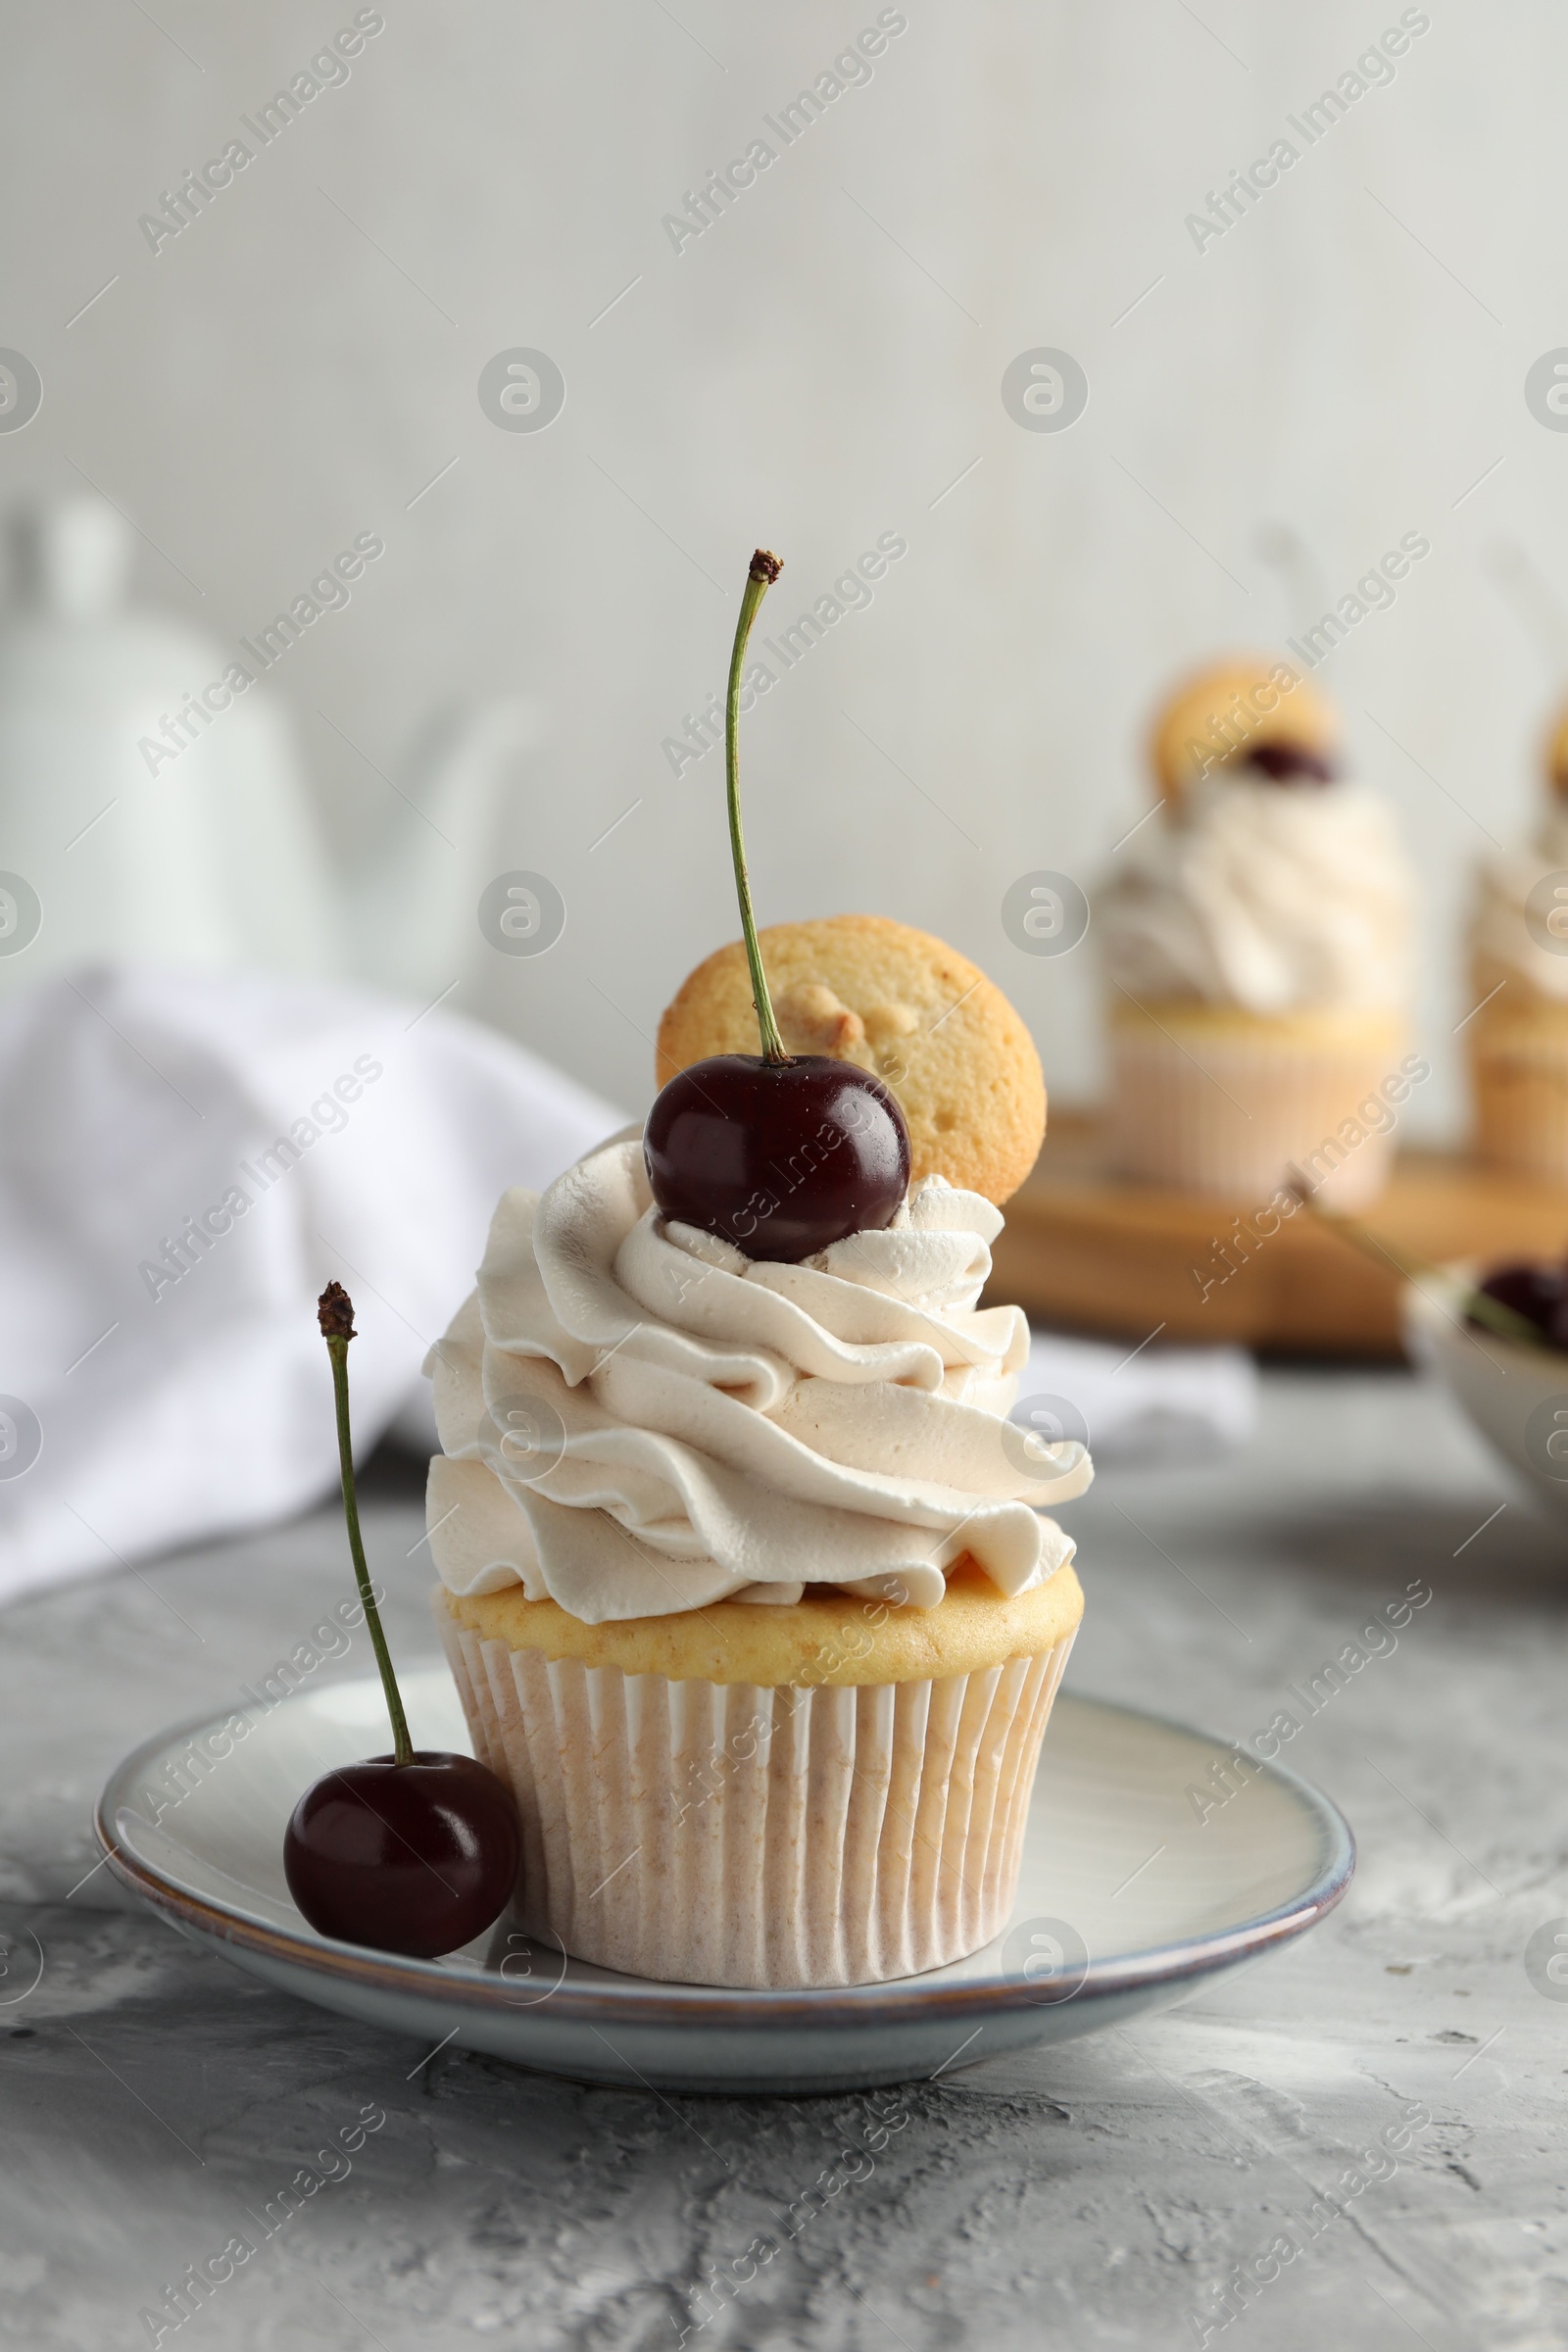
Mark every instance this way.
x=828 y=2005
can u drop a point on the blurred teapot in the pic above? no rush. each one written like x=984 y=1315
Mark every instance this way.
x=139 y=822
x=213 y=859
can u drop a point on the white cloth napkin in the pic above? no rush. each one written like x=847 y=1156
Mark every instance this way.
x=157 y=1387
x=1152 y=1405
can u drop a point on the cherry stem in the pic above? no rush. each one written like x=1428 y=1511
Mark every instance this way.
x=336 y=1313
x=765 y=570
x=1493 y=1314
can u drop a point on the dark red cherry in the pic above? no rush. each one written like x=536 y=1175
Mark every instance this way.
x=781 y=1159
x=417 y=1857
x=781 y=1154
x=1289 y=764
x=1534 y=1292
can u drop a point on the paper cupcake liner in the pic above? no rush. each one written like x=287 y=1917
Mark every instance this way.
x=1229 y=1110
x=730 y=1833
x=1519 y=1073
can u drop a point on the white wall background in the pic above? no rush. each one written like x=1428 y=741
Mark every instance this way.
x=815 y=370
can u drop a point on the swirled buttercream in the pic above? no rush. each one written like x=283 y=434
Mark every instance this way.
x=637 y=1418
x=1271 y=898
x=1500 y=934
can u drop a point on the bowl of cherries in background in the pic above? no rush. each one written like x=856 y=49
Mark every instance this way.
x=1498 y=1340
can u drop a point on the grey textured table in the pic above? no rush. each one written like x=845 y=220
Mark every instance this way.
x=1094 y=2194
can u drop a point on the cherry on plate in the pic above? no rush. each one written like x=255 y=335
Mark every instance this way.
x=417 y=1858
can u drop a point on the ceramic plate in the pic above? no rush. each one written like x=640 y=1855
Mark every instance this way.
x=1128 y=1901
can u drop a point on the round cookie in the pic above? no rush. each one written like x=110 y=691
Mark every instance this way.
x=941 y=1035
x=1230 y=709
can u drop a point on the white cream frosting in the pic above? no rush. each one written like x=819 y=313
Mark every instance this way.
x=637 y=1418
x=1499 y=931
x=1273 y=898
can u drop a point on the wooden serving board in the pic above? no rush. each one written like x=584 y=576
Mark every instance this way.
x=1086 y=1251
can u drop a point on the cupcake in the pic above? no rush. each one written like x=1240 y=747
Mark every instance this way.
x=746 y=1580
x=1256 y=937
x=1518 y=1038
x=745 y=1584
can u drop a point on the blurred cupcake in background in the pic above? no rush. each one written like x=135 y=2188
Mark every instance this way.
x=1255 y=935
x=1518 y=1038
